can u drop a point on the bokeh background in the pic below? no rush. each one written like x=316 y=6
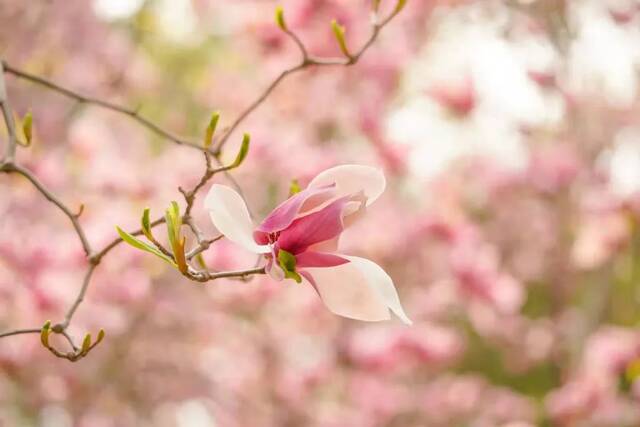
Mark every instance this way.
x=509 y=132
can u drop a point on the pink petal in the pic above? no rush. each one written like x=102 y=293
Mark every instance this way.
x=282 y=216
x=351 y=180
x=318 y=259
x=316 y=227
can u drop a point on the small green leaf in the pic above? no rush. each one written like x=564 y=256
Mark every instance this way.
x=178 y=253
x=244 y=150
x=146 y=224
x=44 y=333
x=86 y=344
x=288 y=263
x=294 y=187
x=280 y=18
x=138 y=244
x=27 y=127
x=176 y=213
x=211 y=129
x=338 y=32
x=100 y=337
x=174 y=222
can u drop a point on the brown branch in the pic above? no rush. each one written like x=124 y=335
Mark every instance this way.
x=306 y=62
x=206 y=276
x=20 y=332
x=89 y=100
x=8 y=120
x=8 y=165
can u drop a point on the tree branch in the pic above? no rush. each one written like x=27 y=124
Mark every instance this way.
x=85 y=99
x=14 y=168
x=8 y=165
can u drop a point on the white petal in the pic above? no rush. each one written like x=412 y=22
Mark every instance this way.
x=231 y=217
x=346 y=292
x=383 y=285
x=351 y=179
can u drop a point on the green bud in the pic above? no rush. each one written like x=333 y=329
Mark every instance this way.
x=44 y=333
x=174 y=222
x=288 y=263
x=146 y=224
x=244 y=150
x=86 y=344
x=211 y=129
x=338 y=32
x=280 y=18
x=100 y=337
x=179 y=255
x=27 y=127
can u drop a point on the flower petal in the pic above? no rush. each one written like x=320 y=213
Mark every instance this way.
x=383 y=285
x=231 y=217
x=283 y=215
x=318 y=259
x=346 y=292
x=316 y=227
x=352 y=179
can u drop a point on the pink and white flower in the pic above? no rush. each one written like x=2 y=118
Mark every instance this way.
x=298 y=240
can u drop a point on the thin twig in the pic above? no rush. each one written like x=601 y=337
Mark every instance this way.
x=306 y=62
x=20 y=332
x=10 y=154
x=73 y=217
x=85 y=99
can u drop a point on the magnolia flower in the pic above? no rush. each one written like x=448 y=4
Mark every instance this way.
x=298 y=240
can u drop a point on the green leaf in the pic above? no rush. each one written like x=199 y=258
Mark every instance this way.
x=280 y=18
x=178 y=253
x=100 y=337
x=211 y=129
x=27 y=127
x=44 y=333
x=294 y=187
x=138 y=244
x=174 y=222
x=288 y=263
x=146 y=224
x=86 y=344
x=244 y=150
x=338 y=32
